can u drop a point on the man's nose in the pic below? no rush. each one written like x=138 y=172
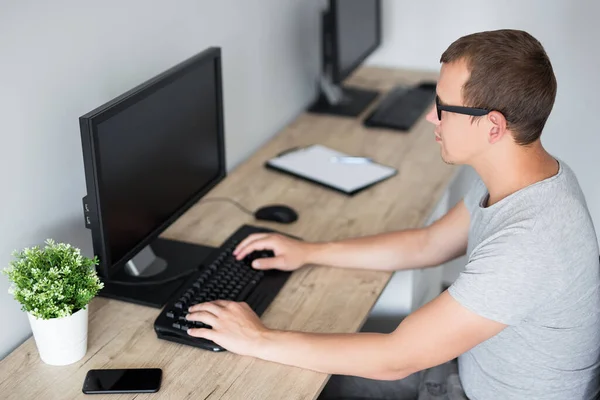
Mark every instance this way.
x=432 y=116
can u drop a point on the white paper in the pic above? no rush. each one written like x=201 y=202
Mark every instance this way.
x=315 y=162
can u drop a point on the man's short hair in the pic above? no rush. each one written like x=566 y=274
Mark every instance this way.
x=510 y=73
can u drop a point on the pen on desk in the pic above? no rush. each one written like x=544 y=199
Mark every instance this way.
x=351 y=160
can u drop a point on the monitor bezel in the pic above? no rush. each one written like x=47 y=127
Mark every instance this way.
x=89 y=121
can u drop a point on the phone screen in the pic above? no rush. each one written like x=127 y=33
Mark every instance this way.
x=139 y=380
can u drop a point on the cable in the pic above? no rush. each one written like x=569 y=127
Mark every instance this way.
x=151 y=283
x=227 y=199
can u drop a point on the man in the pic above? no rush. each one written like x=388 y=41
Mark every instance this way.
x=523 y=318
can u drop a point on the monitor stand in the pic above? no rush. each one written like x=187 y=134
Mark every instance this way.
x=342 y=101
x=161 y=260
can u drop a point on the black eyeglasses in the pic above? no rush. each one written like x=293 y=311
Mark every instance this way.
x=476 y=112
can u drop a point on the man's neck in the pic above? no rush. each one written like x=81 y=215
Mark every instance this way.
x=508 y=172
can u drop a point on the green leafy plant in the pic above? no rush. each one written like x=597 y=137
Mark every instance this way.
x=52 y=282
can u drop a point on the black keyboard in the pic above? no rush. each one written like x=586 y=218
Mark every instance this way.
x=222 y=278
x=402 y=107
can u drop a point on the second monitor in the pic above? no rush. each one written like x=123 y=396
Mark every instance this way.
x=351 y=31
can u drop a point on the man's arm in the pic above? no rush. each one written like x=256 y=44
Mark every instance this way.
x=442 y=241
x=438 y=332
x=436 y=244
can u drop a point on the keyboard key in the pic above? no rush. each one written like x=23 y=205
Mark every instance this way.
x=184 y=326
x=198 y=324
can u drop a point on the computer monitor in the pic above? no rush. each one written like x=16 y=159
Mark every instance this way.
x=149 y=155
x=351 y=31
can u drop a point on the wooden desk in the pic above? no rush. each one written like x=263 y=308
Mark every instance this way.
x=315 y=299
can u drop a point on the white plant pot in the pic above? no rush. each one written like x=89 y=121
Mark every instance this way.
x=61 y=341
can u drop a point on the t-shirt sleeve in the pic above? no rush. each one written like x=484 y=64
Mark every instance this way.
x=504 y=281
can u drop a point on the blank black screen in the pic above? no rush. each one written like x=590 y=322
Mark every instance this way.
x=123 y=380
x=357 y=31
x=156 y=154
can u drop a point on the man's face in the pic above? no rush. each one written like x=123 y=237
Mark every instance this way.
x=460 y=140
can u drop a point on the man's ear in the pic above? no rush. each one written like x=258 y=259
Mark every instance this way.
x=497 y=124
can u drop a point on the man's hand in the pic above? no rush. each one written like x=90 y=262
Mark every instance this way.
x=235 y=326
x=290 y=254
x=437 y=332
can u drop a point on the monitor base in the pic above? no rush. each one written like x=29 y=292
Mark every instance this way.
x=352 y=103
x=181 y=257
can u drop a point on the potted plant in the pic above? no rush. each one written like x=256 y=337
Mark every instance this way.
x=54 y=285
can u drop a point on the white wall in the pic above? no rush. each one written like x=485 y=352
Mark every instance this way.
x=63 y=58
x=415 y=33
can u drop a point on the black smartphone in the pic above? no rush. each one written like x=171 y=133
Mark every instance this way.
x=134 y=380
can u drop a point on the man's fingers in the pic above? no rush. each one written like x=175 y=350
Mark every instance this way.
x=212 y=307
x=268 y=263
x=248 y=240
x=204 y=333
x=245 y=305
x=259 y=244
x=204 y=317
x=222 y=303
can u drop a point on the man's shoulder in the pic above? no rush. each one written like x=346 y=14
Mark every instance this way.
x=560 y=207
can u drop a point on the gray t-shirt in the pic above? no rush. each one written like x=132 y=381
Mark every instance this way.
x=533 y=265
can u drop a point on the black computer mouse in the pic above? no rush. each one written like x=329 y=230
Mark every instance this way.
x=276 y=213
